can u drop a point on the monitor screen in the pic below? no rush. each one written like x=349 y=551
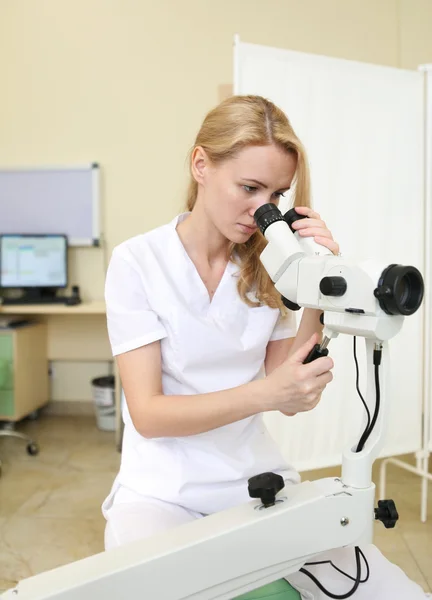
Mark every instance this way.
x=33 y=261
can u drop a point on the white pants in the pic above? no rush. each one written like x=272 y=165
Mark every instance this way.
x=132 y=517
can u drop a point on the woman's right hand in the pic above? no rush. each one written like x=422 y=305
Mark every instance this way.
x=296 y=387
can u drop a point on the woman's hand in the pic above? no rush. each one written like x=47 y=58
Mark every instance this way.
x=314 y=226
x=295 y=387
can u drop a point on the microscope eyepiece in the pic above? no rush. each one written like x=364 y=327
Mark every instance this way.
x=266 y=215
x=292 y=216
x=400 y=290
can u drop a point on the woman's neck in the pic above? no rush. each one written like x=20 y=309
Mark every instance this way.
x=202 y=240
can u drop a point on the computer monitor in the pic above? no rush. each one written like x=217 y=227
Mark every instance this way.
x=35 y=263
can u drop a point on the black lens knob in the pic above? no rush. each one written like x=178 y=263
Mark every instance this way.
x=265 y=487
x=333 y=286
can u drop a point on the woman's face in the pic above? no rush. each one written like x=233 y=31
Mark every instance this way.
x=234 y=189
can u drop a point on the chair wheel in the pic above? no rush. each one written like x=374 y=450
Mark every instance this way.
x=32 y=449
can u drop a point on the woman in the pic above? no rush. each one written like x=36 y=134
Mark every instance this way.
x=193 y=318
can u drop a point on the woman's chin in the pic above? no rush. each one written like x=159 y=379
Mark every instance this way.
x=239 y=238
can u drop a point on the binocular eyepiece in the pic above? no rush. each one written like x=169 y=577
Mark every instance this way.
x=400 y=289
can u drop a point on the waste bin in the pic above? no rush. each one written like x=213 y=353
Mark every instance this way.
x=104 y=402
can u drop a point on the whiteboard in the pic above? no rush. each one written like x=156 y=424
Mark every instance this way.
x=363 y=129
x=61 y=200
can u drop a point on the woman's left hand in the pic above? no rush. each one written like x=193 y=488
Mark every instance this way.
x=314 y=226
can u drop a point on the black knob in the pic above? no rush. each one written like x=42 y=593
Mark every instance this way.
x=265 y=487
x=386 y=513
x=333 y=286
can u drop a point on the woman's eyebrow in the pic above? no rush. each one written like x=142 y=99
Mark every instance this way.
x=263 y=184
x=256 y=181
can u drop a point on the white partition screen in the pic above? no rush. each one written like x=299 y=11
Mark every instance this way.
x=362 y=126
x=427 y=433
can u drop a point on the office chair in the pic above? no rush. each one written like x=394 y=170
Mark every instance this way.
x=32 y=447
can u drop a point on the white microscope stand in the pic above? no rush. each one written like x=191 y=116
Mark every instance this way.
x=237 y=550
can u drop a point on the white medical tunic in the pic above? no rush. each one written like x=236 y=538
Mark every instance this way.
x=154 y=292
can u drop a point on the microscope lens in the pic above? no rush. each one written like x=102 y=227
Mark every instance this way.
x=400 y=290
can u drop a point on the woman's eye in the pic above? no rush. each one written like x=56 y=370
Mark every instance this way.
x=249 y=188
x=279 y=195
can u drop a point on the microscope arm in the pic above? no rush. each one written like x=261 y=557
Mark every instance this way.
x=220 y=556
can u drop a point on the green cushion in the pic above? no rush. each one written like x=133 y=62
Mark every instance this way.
x=279 y=590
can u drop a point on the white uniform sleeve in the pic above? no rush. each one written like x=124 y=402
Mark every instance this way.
x=131 y=322
x=286 y=327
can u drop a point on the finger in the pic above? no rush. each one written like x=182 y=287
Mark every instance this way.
x=315 y=231
x=302 y=353
x=319 y=366
x=305 y=223
x=324 y=379
x=305 y=210
x=328 y=243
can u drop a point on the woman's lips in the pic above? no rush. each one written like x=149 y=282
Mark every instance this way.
x=247 y=228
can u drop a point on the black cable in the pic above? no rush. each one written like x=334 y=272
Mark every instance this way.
x=366 y=433
x=378 y=400
x=352 y=590
x=329 y=562
x=358 y=386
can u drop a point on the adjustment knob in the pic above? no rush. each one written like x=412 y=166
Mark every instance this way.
x=265 y=487
x=386 y=513
x=333 y=286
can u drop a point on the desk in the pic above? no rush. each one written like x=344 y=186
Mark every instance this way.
x=85 y=308
x=67 y=327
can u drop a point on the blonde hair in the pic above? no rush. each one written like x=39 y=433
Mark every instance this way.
x=242 y=121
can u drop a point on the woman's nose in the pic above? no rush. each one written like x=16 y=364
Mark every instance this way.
x=258 y=202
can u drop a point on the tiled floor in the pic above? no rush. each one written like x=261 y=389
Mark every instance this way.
x=50 y=504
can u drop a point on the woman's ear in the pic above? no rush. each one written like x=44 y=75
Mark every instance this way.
x=199 y=163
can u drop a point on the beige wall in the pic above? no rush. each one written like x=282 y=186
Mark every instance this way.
x=126 y=83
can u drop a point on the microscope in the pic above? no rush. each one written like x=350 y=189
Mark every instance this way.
x=280 y=530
